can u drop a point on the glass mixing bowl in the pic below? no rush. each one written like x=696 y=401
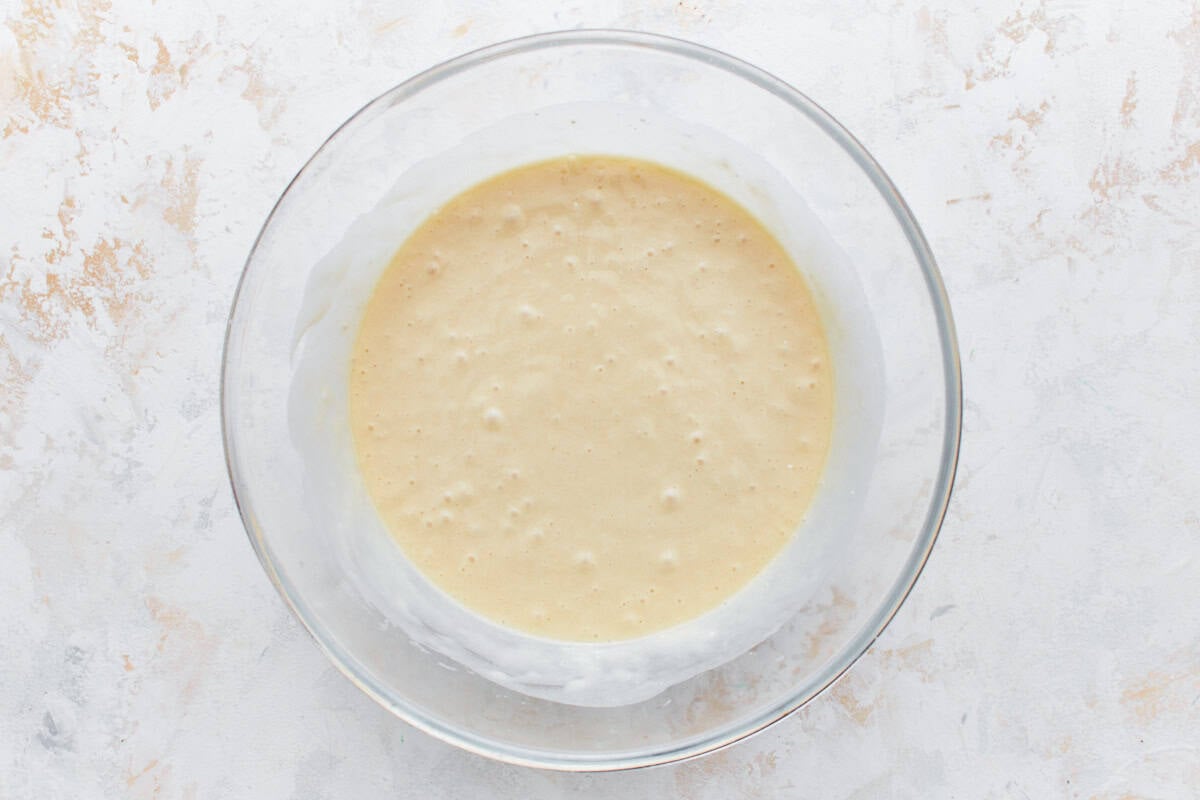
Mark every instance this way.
x=901 y=506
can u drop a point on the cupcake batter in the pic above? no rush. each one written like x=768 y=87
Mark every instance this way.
x=591 y=398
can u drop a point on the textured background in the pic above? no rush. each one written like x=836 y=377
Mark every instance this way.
x=1052 y=152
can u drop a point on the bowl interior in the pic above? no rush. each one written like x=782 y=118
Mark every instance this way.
x=899 y=504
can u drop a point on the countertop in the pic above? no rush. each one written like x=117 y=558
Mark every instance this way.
x=1051 y=150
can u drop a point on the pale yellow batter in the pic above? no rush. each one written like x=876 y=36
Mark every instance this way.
x=591 y=398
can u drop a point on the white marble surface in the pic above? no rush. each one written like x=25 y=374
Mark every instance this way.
x=1051 y=151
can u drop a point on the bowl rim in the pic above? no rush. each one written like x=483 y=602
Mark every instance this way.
x=849 y=654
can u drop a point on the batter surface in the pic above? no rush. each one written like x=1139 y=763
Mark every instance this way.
x=591 y=398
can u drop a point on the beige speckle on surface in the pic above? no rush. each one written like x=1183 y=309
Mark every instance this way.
x=1051 y=151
